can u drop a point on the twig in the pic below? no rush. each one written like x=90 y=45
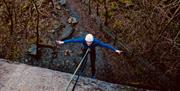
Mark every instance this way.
x=164 y=28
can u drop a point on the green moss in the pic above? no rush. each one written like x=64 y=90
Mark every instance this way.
x=129 y=2
x=111 y=14
x=15 y=53
x=32 y=40
x=24 y=8
x=118 y=24
x=114 y=6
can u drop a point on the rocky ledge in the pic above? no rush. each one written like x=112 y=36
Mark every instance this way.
x=21 y=77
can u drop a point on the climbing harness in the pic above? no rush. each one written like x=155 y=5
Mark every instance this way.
x=83 y=63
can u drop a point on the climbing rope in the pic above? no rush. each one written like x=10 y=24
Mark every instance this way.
x=80 y=73
x=82 y=60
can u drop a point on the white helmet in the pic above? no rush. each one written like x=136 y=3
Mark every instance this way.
x=89 y=38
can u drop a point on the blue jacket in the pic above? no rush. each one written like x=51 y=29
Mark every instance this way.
x=95 y=43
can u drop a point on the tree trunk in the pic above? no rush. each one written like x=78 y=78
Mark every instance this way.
x=10 y=16
x=97 y=8
x=106 y=12
x=37 y=27
x=52 y=3
x=89 y=5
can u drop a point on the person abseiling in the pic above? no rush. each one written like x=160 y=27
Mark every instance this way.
x=89 y=41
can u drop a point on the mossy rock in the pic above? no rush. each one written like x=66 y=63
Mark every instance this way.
x=127 y=2
x=118 y=24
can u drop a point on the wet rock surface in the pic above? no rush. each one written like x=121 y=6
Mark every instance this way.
x=21 y=77
x=67 y=32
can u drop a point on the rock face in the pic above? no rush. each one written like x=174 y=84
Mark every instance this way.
x=62 y=2
x=33 y=50
x=21 y=77
x=67 y=32
x=72 y=20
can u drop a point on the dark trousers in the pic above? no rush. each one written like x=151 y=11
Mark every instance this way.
x=92 y=58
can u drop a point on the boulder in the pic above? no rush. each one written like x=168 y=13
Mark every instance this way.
x=72 y=20
x=62 y=2
x=57 y=26
x=21 y=77
x=33 y=49
x=67 y=32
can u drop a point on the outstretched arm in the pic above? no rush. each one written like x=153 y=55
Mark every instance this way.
x=75 y=40
x=108 y=46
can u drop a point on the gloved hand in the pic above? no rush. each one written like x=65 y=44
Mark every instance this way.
x=59 y=42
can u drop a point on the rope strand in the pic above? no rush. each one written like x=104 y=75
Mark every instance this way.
x=77 y=69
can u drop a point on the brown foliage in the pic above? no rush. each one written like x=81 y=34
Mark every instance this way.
x=24 y=23
x=150 y=31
